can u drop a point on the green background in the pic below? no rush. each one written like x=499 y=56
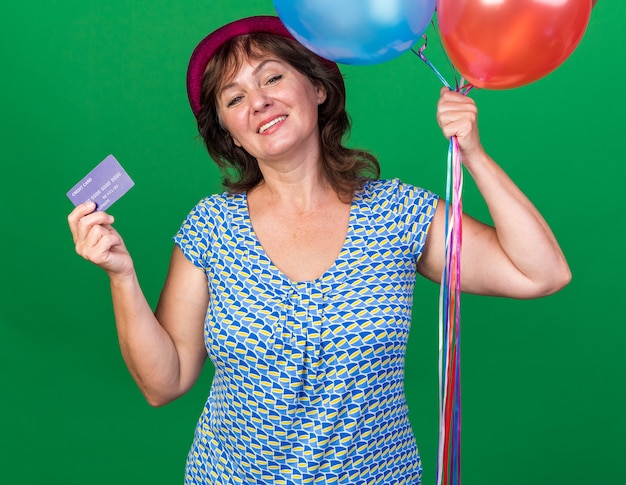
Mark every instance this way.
x=544 y=380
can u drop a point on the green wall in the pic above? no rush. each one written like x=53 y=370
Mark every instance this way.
x=544 y=380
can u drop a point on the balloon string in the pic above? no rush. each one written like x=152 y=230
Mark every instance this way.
x=449 y=449
x=459 y=87
x=444 y=308
x=420 y=53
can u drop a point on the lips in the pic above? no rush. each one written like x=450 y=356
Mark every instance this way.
x=271 y=123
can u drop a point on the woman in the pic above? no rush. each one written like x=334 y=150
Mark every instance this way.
x=309 y=262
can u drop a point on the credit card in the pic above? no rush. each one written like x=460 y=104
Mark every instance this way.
x=104 y=185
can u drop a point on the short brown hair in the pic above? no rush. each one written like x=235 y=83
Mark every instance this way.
x=346 y=169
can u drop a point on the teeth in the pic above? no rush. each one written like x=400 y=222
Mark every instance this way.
x=271 y=123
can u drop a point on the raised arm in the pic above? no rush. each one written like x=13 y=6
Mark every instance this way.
x=519 y=256
x=164 y=350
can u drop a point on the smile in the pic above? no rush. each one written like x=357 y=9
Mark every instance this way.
x=267 y=126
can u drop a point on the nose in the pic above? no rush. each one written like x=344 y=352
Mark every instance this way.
x=259 y=100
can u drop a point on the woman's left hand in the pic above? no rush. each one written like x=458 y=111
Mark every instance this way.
x=457 y=115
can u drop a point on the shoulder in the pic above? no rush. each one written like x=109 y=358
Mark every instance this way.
x=395 y=191
x=211 y=212
x=217 y=205
x=223 y=199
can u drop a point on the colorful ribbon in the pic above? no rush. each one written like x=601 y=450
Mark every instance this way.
x=449 y=451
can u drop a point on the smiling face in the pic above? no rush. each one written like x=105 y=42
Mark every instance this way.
x=270 y=109
x=241 y=170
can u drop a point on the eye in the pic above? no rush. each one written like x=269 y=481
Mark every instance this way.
x=274 y=79
x=233 y=101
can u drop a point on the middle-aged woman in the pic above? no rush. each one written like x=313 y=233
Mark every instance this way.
x=298 y=280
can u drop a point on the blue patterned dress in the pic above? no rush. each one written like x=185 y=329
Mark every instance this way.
x=309 y=376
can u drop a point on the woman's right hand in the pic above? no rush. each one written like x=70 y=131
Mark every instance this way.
x=97 y=241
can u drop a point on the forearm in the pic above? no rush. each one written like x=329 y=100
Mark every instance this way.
x=147 y=349
x=521 y=231
x=165 y=354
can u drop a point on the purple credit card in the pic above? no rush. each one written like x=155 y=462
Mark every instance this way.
x=106 y=183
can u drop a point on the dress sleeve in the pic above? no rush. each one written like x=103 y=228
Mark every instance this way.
x=416 y=207
x=195 y=234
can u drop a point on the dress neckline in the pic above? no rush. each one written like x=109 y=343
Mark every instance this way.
x=339 y=260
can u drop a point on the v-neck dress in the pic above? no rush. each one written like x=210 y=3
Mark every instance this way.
x=309 y=376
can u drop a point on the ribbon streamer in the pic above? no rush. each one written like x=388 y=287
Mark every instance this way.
x=449 y=450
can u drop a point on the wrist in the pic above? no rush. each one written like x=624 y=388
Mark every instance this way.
x=123 y=278
x=475 y=160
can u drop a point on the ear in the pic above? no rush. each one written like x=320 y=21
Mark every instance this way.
x=221 y=123
x=320 y=92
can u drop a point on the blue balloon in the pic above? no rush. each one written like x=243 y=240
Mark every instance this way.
x=356 y=31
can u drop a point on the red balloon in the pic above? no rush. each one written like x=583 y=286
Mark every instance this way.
x=500 y=44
